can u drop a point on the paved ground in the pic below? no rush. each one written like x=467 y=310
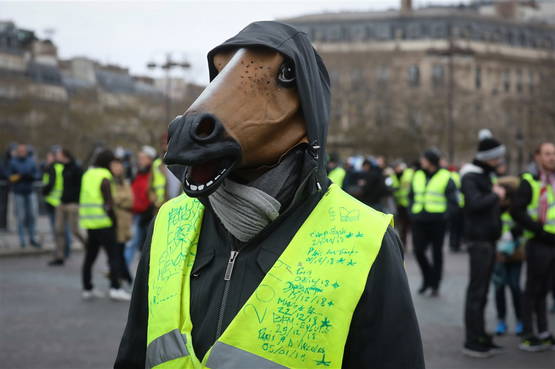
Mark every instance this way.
x=45 y=325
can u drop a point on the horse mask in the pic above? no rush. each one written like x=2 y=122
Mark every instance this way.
x=269 y=92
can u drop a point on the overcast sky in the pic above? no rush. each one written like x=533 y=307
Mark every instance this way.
x=132 y=33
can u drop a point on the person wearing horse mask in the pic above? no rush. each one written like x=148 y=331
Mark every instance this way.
x=263 y=262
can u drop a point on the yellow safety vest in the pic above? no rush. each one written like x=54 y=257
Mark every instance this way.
x=533 y=206
x=430 y=197
x=507 y=222
x=457 y=179
x=402 y=187
x=158 y=182
x=54 y=197
x=337 y=176
x=92 y=214
x=298 y=317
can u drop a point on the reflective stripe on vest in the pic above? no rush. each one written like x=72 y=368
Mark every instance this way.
x=298 y=317
x=54 y=197
x=158 y=184
x=507 y=221
x=430 y=197
x=533 y=206
x=337 y=176
x=92 y=214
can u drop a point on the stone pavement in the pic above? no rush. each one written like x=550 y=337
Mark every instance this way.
x=46 y=325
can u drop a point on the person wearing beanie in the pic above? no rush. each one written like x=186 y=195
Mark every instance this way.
x=482 y=228
x=432 y=197
x=534 y=210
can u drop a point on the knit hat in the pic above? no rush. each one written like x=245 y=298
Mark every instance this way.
x=149 y=151
x=488 y=147
x=432 y=155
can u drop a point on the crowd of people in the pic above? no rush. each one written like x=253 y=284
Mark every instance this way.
x=502 y=221
x=113 y=200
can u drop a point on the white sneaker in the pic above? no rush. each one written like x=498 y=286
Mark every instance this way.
x=92 y=294
x=119 y=294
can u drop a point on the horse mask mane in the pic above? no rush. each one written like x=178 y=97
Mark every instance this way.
x=269 y=91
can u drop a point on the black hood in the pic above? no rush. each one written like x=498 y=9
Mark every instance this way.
x=313 y=83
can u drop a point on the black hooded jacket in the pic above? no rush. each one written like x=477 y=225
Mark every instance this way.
x=482 y=207
x=384 y=331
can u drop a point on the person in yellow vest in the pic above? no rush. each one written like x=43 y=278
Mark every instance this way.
x=158 y=183
x=401 y=183
x=52 y=188
x=96 y=215
x=432 y=196
x=266 y=264
x=482 y=216
x=67 y=213
x=534 y=210
x=336 y=173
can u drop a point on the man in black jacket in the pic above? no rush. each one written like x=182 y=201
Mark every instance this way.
x=482 y=229
x=374 y=189
x=533 y=209
x=432 y=198
x=383 y=330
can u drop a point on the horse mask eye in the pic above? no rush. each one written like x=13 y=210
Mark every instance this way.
x=286 y=75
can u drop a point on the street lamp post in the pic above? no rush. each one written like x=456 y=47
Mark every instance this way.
x=167 y=66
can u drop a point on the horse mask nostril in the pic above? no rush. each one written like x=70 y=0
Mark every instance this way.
x=206 y=128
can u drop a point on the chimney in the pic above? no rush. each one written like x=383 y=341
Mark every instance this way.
x=406 y=6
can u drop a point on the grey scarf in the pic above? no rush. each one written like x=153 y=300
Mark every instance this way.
x=245 y=210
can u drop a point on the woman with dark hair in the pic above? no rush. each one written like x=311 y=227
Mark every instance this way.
x=96 y=215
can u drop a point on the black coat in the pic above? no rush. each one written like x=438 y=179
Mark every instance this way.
x=72 y=175
x=375 y=189
x=384 y=331
x=482 y=210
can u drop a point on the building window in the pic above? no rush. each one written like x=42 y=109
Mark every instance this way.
x=414 y=76
x=531 y=81
x=478 y=78
x=438 y=75
x=358 y=32
x=519 y=81
x=382 y=31
x=506 y=80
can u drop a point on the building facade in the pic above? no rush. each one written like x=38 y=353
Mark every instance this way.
x=78 y=103
x=404 y=80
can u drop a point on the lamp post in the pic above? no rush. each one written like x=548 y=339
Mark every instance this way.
x=167 y=66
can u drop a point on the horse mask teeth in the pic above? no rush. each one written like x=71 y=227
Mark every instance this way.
x=250 y=114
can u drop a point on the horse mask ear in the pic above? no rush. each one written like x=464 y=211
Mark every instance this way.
x=255 y=97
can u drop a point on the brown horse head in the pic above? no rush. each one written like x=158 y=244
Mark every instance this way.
x=246 y=118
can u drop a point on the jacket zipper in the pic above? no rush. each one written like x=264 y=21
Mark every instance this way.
x=233 y=257
x=227 y=279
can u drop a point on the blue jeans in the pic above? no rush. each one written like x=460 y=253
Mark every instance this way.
x=507 y=274
x=136 y=242
x=26 y=216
